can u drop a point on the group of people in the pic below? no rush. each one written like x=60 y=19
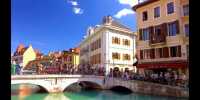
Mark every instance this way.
x=71 y=69
x=168 y=78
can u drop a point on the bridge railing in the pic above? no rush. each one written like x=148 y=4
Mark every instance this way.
x=53 y=76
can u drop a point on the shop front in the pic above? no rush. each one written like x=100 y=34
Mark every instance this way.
x=179 y=67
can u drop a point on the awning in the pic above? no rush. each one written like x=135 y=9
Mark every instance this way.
x=163 y=65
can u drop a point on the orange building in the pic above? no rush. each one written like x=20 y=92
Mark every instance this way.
x=163 y=36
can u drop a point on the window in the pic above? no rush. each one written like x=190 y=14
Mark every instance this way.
x=175 y=51
x=145 y=34
x=126 y=42
x=157 y=34
x=95 y=45
x=159 y=52
x=186 y=29
x=156 y=12
x=95 y=59
x=186 y=10
x=115 y=40
x=144 y=16
x=170 y=8
x=146 y=53
x=115 y=55
x=172 y=29
x=126 y=57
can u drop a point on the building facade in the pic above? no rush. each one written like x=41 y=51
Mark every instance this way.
x=24 y=54
x=109 y=45
x=71 y=57
x=163 y=36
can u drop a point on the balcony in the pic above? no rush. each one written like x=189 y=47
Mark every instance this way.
x=161 y=40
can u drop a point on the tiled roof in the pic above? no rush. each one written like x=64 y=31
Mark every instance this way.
x=143 y=4
x=108 y=20
x=117 y=24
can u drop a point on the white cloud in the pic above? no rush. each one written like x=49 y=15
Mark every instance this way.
x=74 y=3
x=77 y=10
x=75 y=7
x=129 y=2
x=123 y=12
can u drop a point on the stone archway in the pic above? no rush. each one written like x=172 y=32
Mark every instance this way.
x=44 y=84
x=31 y=87
x=121 y=89
x=76 y=86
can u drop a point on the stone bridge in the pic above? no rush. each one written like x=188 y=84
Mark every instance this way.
x=58 y=83
x=55 y=83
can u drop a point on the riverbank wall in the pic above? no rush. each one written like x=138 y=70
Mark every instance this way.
x=148 y=88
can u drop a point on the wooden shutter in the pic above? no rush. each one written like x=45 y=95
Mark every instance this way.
x=179 y=51
x=152 y=54
x=177 y=27
x=164 y=31
x=140 y=34
x=141 y=54
x=166 y=52
x=151 y=33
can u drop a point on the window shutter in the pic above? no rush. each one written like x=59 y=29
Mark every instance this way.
x=166 y=52
x=177 y=27
x=164 y=29
x=151 y=33
x=152 y=53
x=141 y=54
x=140 y=34
x=179 y=51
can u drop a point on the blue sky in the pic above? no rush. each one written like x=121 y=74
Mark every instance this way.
x=53 y=25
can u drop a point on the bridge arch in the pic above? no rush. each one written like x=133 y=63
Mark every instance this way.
x=41 y=88
x=120 y=88
x=84 y=84
x=89 y=83
x=44 y=84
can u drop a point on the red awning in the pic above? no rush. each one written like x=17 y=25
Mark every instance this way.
x=163 y=65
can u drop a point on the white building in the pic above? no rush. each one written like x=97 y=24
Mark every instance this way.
x=109 y=45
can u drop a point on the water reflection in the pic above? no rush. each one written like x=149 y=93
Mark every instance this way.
x=25 y=93
x=56 y=96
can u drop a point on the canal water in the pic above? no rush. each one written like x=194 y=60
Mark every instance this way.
x=89 y=95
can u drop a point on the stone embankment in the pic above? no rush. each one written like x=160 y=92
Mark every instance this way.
x=148 y=88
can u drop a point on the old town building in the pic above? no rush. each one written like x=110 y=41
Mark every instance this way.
x=109 y=45
x=23 y=55
x=71 y=57
x=163 y=36
x=55 y=60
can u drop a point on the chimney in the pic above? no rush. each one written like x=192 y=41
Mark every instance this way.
x=107 y=20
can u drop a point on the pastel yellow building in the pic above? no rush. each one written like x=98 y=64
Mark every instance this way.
x=72 y=56
x=23 y=55
x=163 y=35
x=28 y=55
